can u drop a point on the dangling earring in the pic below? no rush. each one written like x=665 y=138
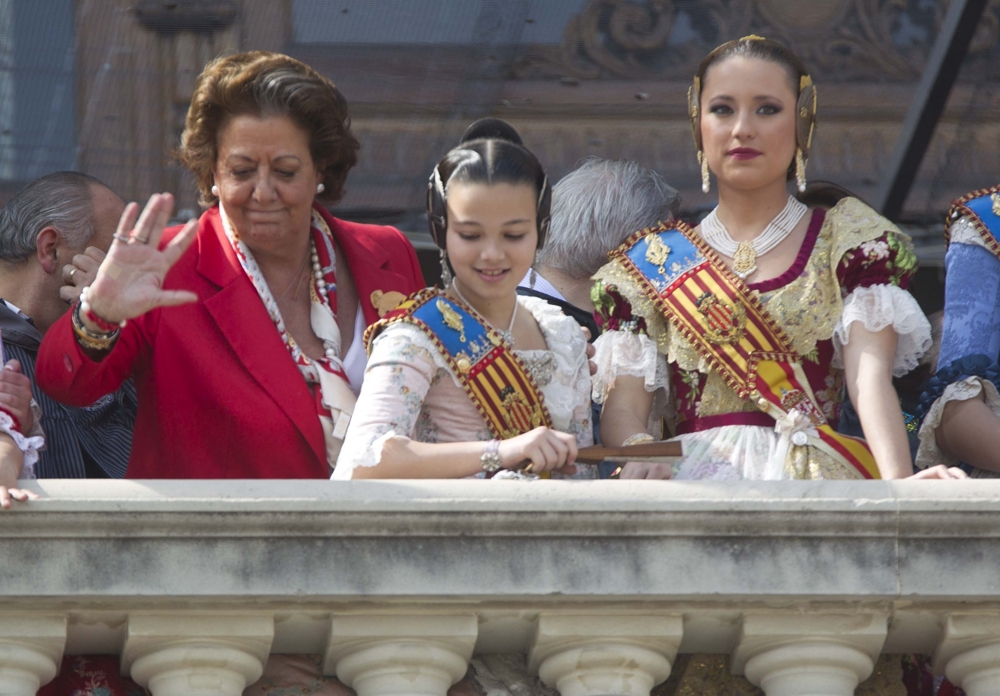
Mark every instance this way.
x=445 y=271
x=215 y=190
x=706 y=183
x=320 y=188
x=800 y=170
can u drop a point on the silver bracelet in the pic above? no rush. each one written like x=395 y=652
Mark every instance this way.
x=491 y=457
x=637 y=438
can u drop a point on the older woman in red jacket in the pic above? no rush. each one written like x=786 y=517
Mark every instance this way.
x=243 y=328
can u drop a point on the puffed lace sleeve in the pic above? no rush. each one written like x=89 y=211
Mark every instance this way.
x=873 y=278
x=565 y=382
x=625 y=346
x=400 y=370
x=31 y=444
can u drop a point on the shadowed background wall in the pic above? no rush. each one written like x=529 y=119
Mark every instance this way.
x=103 y=86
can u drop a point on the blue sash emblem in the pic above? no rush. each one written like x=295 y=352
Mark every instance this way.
x=460 y=333
x=664 y=256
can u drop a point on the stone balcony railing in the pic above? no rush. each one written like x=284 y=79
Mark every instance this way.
x=601 y=584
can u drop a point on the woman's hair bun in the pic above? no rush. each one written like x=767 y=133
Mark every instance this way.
x=493 y=128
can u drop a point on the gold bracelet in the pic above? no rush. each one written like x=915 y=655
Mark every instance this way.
x=637 y=438
x=88 y=339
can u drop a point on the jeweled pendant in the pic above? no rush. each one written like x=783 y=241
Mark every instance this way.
x=745 y=259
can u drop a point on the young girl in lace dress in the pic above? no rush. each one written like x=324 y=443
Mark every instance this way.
x=472 y=380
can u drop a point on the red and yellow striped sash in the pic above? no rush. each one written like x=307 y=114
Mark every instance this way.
x=494 y=378
x=731 y=329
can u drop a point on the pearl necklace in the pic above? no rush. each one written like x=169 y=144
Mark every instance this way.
x=508 y=335
x=328 y=349
x=744 y=254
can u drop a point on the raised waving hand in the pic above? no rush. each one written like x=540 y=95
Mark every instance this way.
x=129 y=281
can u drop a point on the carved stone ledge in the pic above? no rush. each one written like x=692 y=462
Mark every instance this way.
x=401 y=655
x=197 y=654
x=969 y=652
x=816 y=655
x=31 y=648
x=596 y=654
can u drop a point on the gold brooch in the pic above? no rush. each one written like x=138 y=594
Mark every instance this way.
x=745 y=259
x=385 y=302
x=657 y=252
x=451 y=318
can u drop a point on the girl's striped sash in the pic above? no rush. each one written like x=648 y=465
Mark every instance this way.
x=495 y=379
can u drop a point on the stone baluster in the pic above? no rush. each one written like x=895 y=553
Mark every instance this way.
x=599 y=655
x=197 y=654
x=400 y=654
x=31 y=650
x=969 y=653
x=809 y=655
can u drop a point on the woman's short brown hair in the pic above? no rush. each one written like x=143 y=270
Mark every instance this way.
x=260 y=83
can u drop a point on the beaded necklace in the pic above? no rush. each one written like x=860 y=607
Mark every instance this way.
x=744 y=254
x=322 y=314
x=508 y=335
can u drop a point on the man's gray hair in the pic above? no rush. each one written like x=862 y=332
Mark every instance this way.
x=63 y=200
x=596 y=207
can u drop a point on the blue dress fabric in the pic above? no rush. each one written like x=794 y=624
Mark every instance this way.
x=970 y=342
x=972 y=304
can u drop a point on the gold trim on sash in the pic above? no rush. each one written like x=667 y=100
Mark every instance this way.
x=959 y=208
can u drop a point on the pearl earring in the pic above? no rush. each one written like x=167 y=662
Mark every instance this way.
x=320 y=188
x=215 y=190
x=800 y=170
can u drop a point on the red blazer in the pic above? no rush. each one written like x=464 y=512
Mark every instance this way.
x=219 y=395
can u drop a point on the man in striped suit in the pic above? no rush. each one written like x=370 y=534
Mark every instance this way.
x=53 y=235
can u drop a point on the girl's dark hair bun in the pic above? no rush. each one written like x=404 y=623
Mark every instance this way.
x=493 y=128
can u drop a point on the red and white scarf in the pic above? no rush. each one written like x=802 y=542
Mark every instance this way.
x=331 y=386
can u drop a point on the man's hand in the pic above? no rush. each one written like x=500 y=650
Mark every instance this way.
x=79 y=273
